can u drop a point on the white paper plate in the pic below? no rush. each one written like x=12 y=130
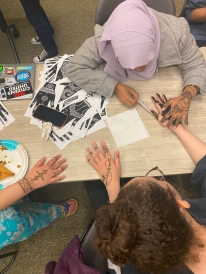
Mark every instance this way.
x=16 y=160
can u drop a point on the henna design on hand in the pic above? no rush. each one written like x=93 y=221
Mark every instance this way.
x=105 y=150
x=106 y=179
x=183 y=103
x=160 y=99
x=25 y=185
x=55 y=173
x=51 y=161
x=40 y=175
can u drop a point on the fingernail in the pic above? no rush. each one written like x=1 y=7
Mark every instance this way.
x=154 y=99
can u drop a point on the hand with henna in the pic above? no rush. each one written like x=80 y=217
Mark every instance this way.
x=176 y=109
x=159 y=101
x=107 y=167
x=43 y=173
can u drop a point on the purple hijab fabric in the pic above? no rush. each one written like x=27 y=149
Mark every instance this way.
x=131 y=39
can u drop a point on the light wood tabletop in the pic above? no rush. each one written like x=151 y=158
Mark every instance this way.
x=161 y=149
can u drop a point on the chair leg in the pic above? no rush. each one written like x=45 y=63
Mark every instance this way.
x=14 y=254
x=12 y=45
x=6 y=29
x=15 y=31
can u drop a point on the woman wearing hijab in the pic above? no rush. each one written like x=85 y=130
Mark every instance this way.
x=134 y=43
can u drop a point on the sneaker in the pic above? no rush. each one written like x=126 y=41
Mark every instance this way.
x=43 y=56
x=35 y=40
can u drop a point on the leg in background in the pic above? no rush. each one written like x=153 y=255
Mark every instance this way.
x=20 y=221
x=38 y=19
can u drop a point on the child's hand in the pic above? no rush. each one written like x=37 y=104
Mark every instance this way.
x=128 y=96
x=108 y=168
x=43 y=174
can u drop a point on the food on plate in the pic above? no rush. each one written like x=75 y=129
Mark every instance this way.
x=5 y=172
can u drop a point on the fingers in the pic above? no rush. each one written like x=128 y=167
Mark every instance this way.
x=177 y=122
x=105 y=149
x=53 y=160
x=166 y=110
x=134 y=95
x=170 y=122
x=117 y=160
x=94 y=158
x=58 y=164
x=59 y=170
x=132 y=98
x=131 y=101
x=165 y=98
x=160 y=99
x=166 y=104
x=57 y=179
x=157 y=105
x=129 y=104
x=91 y=162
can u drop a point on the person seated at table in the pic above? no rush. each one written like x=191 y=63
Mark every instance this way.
x=134 y=43
x=19 y=221
x=147 y=222
x=195 y=14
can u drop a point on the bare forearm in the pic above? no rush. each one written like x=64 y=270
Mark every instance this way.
x=13 y=193
x=113 y=192
x=199 y=15
x=194 y=146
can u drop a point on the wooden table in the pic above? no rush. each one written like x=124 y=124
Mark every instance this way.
x=162 y=148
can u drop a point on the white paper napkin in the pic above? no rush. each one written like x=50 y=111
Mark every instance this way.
x=127 y=128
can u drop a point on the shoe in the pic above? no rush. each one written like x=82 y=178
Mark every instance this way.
x=35 y=40
x=43 y=56
x=70 y=207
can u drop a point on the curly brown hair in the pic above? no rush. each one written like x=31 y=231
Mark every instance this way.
x=144 y=226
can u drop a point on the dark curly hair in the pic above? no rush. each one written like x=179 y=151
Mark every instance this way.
x=144 y=226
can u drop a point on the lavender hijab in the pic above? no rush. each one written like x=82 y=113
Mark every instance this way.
x=131 y=39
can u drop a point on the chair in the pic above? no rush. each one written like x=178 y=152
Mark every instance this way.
x=106 y=7
x=91 y=255
x=6 y=29
x=14 y=255
x=182 y=13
